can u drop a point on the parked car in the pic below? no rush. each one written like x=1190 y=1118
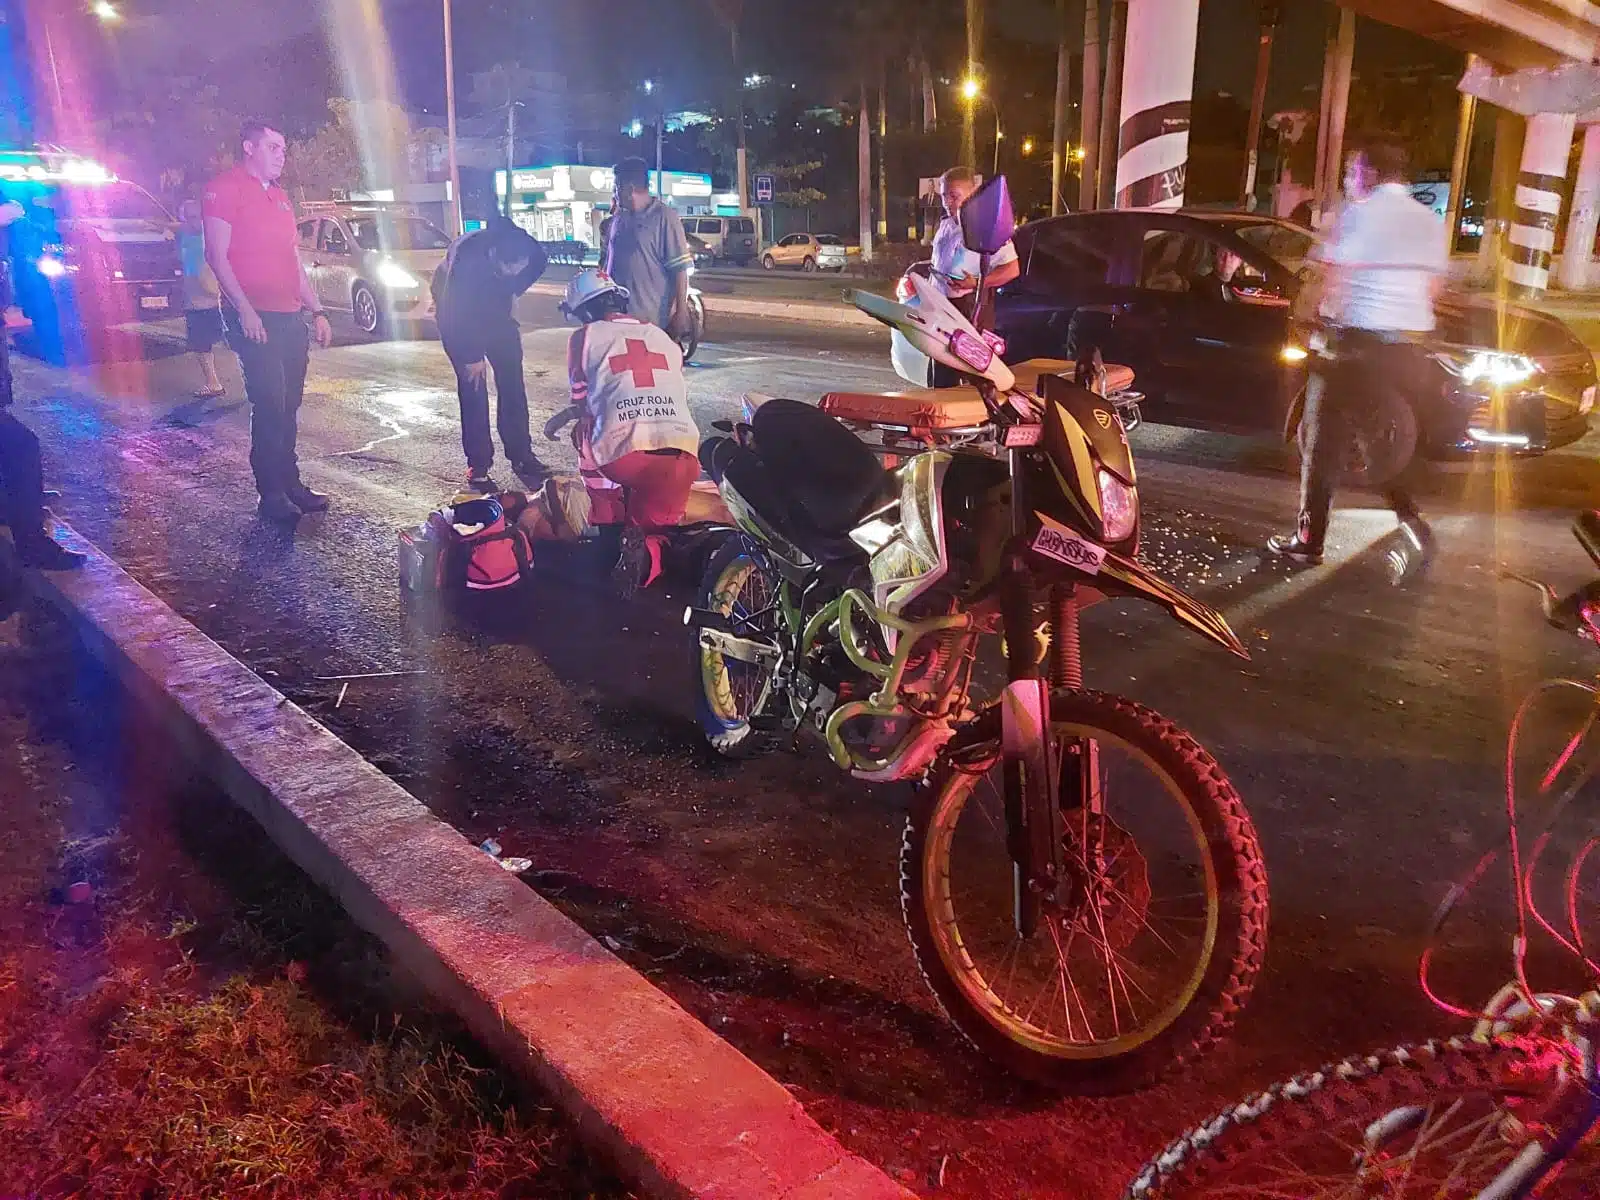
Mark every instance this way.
x=808 y=251
x=1215 y=357
x=372 y=262
x=730 y=239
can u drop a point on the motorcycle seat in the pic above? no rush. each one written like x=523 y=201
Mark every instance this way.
x=938 y=410
x=827 y=473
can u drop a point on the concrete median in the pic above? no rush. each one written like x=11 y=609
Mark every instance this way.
x=679 y=1110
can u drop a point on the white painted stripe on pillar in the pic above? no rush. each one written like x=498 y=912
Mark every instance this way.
x=1548 y=144
x=1585 y=214
x=1538 y=200
x=1158 y=69
x=1528 y=277
x=1535 y=239
x=1158 y=154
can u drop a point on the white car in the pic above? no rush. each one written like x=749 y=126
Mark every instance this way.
x=375 y=265
x=808 y=251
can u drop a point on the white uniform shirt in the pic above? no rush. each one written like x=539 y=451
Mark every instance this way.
x=952 y=259
x=1384 y=254
x=627 y=376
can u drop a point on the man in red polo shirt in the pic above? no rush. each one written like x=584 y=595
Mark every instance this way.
x=251 y=248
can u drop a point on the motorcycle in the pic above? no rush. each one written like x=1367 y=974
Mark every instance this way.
x=1070 y=939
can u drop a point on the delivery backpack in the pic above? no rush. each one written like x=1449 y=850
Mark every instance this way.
x=471 y=543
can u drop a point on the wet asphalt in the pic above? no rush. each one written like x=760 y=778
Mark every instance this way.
x=1365 y=734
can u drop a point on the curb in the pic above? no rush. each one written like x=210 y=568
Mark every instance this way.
x=678 y=1109
x=837 y=314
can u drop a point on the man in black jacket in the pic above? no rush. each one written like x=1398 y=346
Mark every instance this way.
x=474 y=292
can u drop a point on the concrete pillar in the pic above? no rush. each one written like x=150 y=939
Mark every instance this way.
x=1465 y=118
x=1578 y=253
x=1111 y=106
x=1538 y=205
x=1509 y=132
x=1157 y=96
x=1089 y=125
x=1344 y=53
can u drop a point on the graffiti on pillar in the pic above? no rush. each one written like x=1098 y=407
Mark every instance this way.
x=1153 y=191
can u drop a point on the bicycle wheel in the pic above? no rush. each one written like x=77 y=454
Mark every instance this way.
x=1148 y=951
x=731 y=692
x=1441 y=1121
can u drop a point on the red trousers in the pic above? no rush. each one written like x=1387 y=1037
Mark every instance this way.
x=656 y=485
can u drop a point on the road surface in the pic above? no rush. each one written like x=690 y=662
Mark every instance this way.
x=1364 y=734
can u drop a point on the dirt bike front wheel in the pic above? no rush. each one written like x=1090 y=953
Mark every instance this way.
x=1440 y=1119
x=1148 y=948
x=738 y=586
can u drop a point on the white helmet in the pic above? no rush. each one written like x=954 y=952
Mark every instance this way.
x=587 y=286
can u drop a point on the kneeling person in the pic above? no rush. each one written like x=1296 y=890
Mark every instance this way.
x=631 y=397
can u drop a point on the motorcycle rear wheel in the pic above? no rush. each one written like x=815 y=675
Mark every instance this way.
x=1112 y=911
x=739 y=586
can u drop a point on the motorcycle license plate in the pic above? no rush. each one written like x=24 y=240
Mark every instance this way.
x=1067 y=547
x=152 y=302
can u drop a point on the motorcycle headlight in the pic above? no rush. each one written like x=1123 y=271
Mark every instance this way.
x=391 y=274
x=1119 y=506
x=1496 y=368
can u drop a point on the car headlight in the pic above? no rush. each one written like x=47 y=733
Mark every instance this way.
x=1496 y=368
x=1119 y=506
x=392 y=274
x=1294 y=354
x=52 y=267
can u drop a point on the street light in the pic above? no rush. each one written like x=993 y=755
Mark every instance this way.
x=1027 y=146
x=972 y=92
x=106 y=11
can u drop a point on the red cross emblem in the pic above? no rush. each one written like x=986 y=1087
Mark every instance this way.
x=640 y=361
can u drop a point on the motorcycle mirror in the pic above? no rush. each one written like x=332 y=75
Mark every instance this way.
x=987 y=218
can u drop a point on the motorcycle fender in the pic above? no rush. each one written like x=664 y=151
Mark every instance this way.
x=1137 y=580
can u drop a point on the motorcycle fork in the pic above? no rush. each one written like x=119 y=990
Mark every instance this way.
x=1033 y=818
x=1079 y=794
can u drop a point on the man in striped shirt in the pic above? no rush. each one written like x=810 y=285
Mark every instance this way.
x=647 y=252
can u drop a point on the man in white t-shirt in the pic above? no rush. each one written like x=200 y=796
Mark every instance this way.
x=1385 y=259
x=955 y=268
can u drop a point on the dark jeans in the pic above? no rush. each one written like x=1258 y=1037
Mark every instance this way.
x=502 y=346
x=1346 y=397
x=274 y=383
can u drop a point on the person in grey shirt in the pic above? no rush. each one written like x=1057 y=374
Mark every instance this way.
x=647 y=252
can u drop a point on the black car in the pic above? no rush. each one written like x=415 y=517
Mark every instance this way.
x=1216 y=355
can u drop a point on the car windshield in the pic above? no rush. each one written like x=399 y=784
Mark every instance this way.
x=120 y=201
x=1287 y=244
x=397 y=233
x=828 y=239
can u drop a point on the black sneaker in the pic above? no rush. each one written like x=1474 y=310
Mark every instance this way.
x=1291 y=547
x=1410 y=560
x=307 y=500
x=275 y=506
x=529 y=470
x=481 y=482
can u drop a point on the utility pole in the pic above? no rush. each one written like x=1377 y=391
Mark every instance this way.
x=511 y=143
x=450 y=123
x=743 y=154
x=1089 y=126
x=1271 y=13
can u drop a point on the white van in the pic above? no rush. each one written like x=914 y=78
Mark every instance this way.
x=730 y=239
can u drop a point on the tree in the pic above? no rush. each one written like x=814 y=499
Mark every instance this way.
x=175 y=138
x=360 y=144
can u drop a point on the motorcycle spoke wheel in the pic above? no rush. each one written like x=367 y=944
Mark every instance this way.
x=733 y=691
x=1148 y=947
x=1437 y=1121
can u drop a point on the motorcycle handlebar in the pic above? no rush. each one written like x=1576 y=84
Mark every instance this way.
x=1570 y=614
